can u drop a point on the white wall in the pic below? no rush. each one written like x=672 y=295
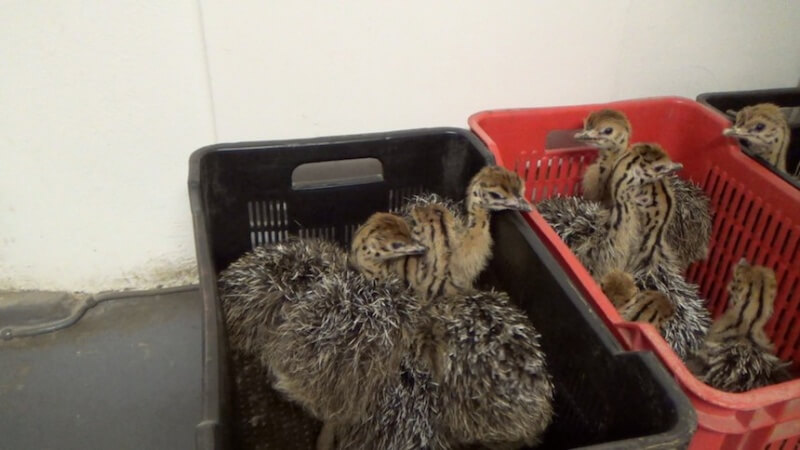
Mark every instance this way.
x=104 y=101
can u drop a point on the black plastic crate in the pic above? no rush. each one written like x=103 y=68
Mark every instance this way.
x=248 y=194
x=785 y=98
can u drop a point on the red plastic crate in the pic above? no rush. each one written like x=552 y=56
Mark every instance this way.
x=756 y=216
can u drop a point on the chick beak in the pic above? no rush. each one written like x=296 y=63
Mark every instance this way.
x=732 y=132
x=523 y=205
x=584 y=135
x=413 y=250
x=674 y=168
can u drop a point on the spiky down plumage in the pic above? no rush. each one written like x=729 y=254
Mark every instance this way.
x=738 y=366
x=492 y=372
x=689 y=232
x=330 y=337
x=255 y=288
x=430 y=198
x=574 y=219
x=689 y=325
x=406 y=418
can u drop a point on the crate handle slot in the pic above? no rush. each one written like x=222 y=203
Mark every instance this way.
x=343 y=172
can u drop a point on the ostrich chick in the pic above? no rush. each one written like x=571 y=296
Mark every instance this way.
x=609 y=131
x=614 y=243
x=380 y=242
x=489 y=383
x=406 y=418
x=737 y=355
x=689 y=232
x=461 y=241
x=331 y=338
x=425 y=266
x=491 y=371
x=651 y=307
x=763 y=129
x=493 y=188
x=618 y=242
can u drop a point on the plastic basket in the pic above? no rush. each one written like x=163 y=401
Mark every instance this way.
x=722 y=102
x=757 y=216
x=253 y=193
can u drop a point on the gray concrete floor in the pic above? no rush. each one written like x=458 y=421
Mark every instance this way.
x=126 y=376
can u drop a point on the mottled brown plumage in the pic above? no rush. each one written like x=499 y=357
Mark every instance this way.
x=493 y=188
x=634 y=305
x=617 y=241
x=460 y=241
x=609 y=131
x=689 y=230
x=406 y=417
x=737 y=354
x=380 y=242
x=431 y=274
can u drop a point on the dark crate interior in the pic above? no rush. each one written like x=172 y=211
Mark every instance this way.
x=785 y=98
x=604 y=396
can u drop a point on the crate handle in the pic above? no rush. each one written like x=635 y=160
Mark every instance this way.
x=342 y=172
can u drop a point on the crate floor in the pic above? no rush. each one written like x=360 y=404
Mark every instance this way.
x=263 y=418
x=126 y=376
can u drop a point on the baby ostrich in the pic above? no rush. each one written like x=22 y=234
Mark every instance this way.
x=763 y=129
x=493 y=388
x=737 y=355
x=609 y=131
x=331 y=337
x=615 y=241
x=380 y=243
x=613 y=245
x=406 y=416
x=431 y=274
x=460 y=241
x=493 y=188
x=689 y=231
x=651 y=260
x=491 y=371
x=651 y=307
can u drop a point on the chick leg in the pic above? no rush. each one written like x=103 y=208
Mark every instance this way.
x=327 y=437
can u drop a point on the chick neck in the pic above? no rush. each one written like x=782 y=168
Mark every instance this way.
x=656 y=209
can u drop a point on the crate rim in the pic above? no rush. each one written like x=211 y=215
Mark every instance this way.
x=197 y=156
x=744 y=401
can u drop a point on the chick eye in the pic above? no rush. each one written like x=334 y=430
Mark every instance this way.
x=495 y=195
x=608 y=130
x=396 y=245
x=760 y=126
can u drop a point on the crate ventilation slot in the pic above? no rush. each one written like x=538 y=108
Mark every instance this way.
x=349 y=232
x=553 y=175
x=269 y=221
x=328 y=233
